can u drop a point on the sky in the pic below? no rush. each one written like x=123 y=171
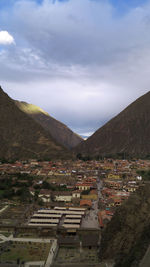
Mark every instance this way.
x=83 y=61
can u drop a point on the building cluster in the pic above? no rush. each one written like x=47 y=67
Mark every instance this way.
x=120 y=179
x=70 y=217
x=68 y=189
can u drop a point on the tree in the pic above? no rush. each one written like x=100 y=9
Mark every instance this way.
x=36 y=195
x=24 y=194
x=46 y=185
x=40 y=202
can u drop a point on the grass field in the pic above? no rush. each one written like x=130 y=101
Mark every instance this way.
x=74 y=255
x=25 y=251
x=14 y=214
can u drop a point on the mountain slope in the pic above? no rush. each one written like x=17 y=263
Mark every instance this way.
x=21 y=137
x=128 y=132
x=60 y=132
x=127 y=236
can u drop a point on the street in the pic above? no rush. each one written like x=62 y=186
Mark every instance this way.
x=91 y=218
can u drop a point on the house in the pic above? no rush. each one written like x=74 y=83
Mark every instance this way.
x=110 y=202
x=113 y=176
x=64 y=196
x=83 y=186
x=45 y=195
x=104 y=217
x=76 y=194
x=117 y=201
x=90 y=240
x=113 y=184
x=86 y=203
x=90 y=196
x=130 y=187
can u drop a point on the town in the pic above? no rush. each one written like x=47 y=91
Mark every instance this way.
x=51 y=211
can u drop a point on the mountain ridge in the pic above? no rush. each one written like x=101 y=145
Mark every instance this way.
x=21 y=137
x=60 y=132
x=118 y=134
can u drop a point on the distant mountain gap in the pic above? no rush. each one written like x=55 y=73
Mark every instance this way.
x=27 y=131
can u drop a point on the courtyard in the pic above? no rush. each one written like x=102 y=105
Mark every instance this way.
x=76 y=255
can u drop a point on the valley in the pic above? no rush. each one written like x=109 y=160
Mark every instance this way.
x=74 y=133
x=70 y=203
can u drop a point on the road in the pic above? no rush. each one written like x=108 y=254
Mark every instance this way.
x=99 y=187
x=4 y=208
x=91 y=218
x=52 y=253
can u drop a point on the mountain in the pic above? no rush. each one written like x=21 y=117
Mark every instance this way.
x=21 y=137
x=127 y=133
x=126 y=238
x=60 y=132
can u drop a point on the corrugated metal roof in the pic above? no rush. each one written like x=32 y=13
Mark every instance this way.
x=60 y=212
x=79 y=209
x=40 y=224
x=72 y=221
x=71 y=225
x=60 y=208
x=44 y=220
x=73 y=216
x=46 y=215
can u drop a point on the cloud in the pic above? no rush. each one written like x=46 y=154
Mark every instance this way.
x=79 y=32
x=6 y=38
x=82 y=61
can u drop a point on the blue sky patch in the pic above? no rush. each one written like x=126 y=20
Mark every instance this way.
x=125 y=6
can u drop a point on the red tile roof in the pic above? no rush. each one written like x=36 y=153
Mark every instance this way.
x=86 y=202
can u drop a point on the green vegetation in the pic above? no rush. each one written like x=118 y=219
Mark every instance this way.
x=3 y=160
x=84 y=158
x=24 y=251
x=30 y=108
x=85 y=192
x=16 y=185
x=24 y=194
x=53 y=187
x=73 y=255
x=119 y=155
x=22 y=137
x=145 y=174
x=137 y=252
x=60 y=132
x=15 y=214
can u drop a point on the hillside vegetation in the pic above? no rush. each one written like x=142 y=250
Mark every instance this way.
x=22 y=138
x=60 y=132
x=127 y=237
